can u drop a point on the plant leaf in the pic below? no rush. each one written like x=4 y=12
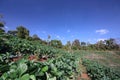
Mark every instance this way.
x=32 y=77
x=25 y=77
x=44 y=69
x=22 y=68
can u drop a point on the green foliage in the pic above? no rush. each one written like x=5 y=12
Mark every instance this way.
x=68 y=46
x=4 y=46
x=59 y=64
x=100 y=72
x=76 y=44
x=17 y=71
x=22 y=32
x=35 y=37
x=56 y=43
x=12 y=32
x=55 y=68
x=2 y=24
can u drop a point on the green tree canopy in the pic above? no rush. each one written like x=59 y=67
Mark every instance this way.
x=35 y=37
x=22 y=32
x=76 y=44
x=83 y=43
x=1 y=24
x=111 y=44
x=12 y=32
x=56 y=43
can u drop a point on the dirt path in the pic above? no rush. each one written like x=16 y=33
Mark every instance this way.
x=83 y=75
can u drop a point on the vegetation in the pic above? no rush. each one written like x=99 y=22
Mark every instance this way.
x=58 y=64
x=1 y=24
x=23 y=57
x=100 y=72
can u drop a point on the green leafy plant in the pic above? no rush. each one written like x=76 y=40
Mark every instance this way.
x=100 y=72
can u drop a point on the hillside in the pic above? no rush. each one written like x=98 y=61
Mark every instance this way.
x=21 y=59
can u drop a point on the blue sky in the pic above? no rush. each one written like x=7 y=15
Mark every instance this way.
x=86 y=20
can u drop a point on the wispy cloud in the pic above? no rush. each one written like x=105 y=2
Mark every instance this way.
x=6 y=27
x=101 y=39
x=37 y=32
x=43 y=32
x=102 y=31
x=68 y=31
x=72 y=36
x=59 y=37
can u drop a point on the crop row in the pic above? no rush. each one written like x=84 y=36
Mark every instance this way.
x=57 y=66
x=61 y=68
x=100 y=72
x=17 y=46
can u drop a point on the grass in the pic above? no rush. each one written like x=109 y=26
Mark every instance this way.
x=107 y=58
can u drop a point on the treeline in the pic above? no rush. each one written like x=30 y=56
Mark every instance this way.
x=24 y=33
x=109 y=44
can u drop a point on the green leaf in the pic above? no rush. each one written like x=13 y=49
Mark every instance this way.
x=54 y=78
x=53 y=67
x=22 y=68
x=50 y=78
x=13 y=74
x=32 y=77
x=41 y=73
x=44 y=69
x=1 y=58
x=25 y=77
x=4 y=76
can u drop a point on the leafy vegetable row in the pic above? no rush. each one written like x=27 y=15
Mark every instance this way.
x=61 y=68
x=100 y=72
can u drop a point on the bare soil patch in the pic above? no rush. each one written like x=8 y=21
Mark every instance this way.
x=94 y=56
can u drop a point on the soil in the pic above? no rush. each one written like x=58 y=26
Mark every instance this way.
x=16 y=58
x=94 y=56
x=32 y=57
x=84 y=76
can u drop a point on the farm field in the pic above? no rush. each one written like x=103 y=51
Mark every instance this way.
x=21 y=59
x=59 y=39
x=106 y=58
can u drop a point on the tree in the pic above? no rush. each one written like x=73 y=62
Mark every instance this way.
x=12 y=32
x=100 y=45
x=83 y=43
x=48 y=40
x=56 y=43
x=76 y=44
x=22 y=32
x=68 y=46
x=111 y=44
x=35 y=37
x=1 y=24
x=1 y=27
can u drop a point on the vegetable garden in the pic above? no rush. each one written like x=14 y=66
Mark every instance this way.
x=35 y=61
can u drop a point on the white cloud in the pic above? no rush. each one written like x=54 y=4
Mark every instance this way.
x=101 y=39
x=72 y=36
x=37 y=32
x=59 y=37
x=6 y=27
x=68 y=31
x=44 y=32
x=102 y=31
